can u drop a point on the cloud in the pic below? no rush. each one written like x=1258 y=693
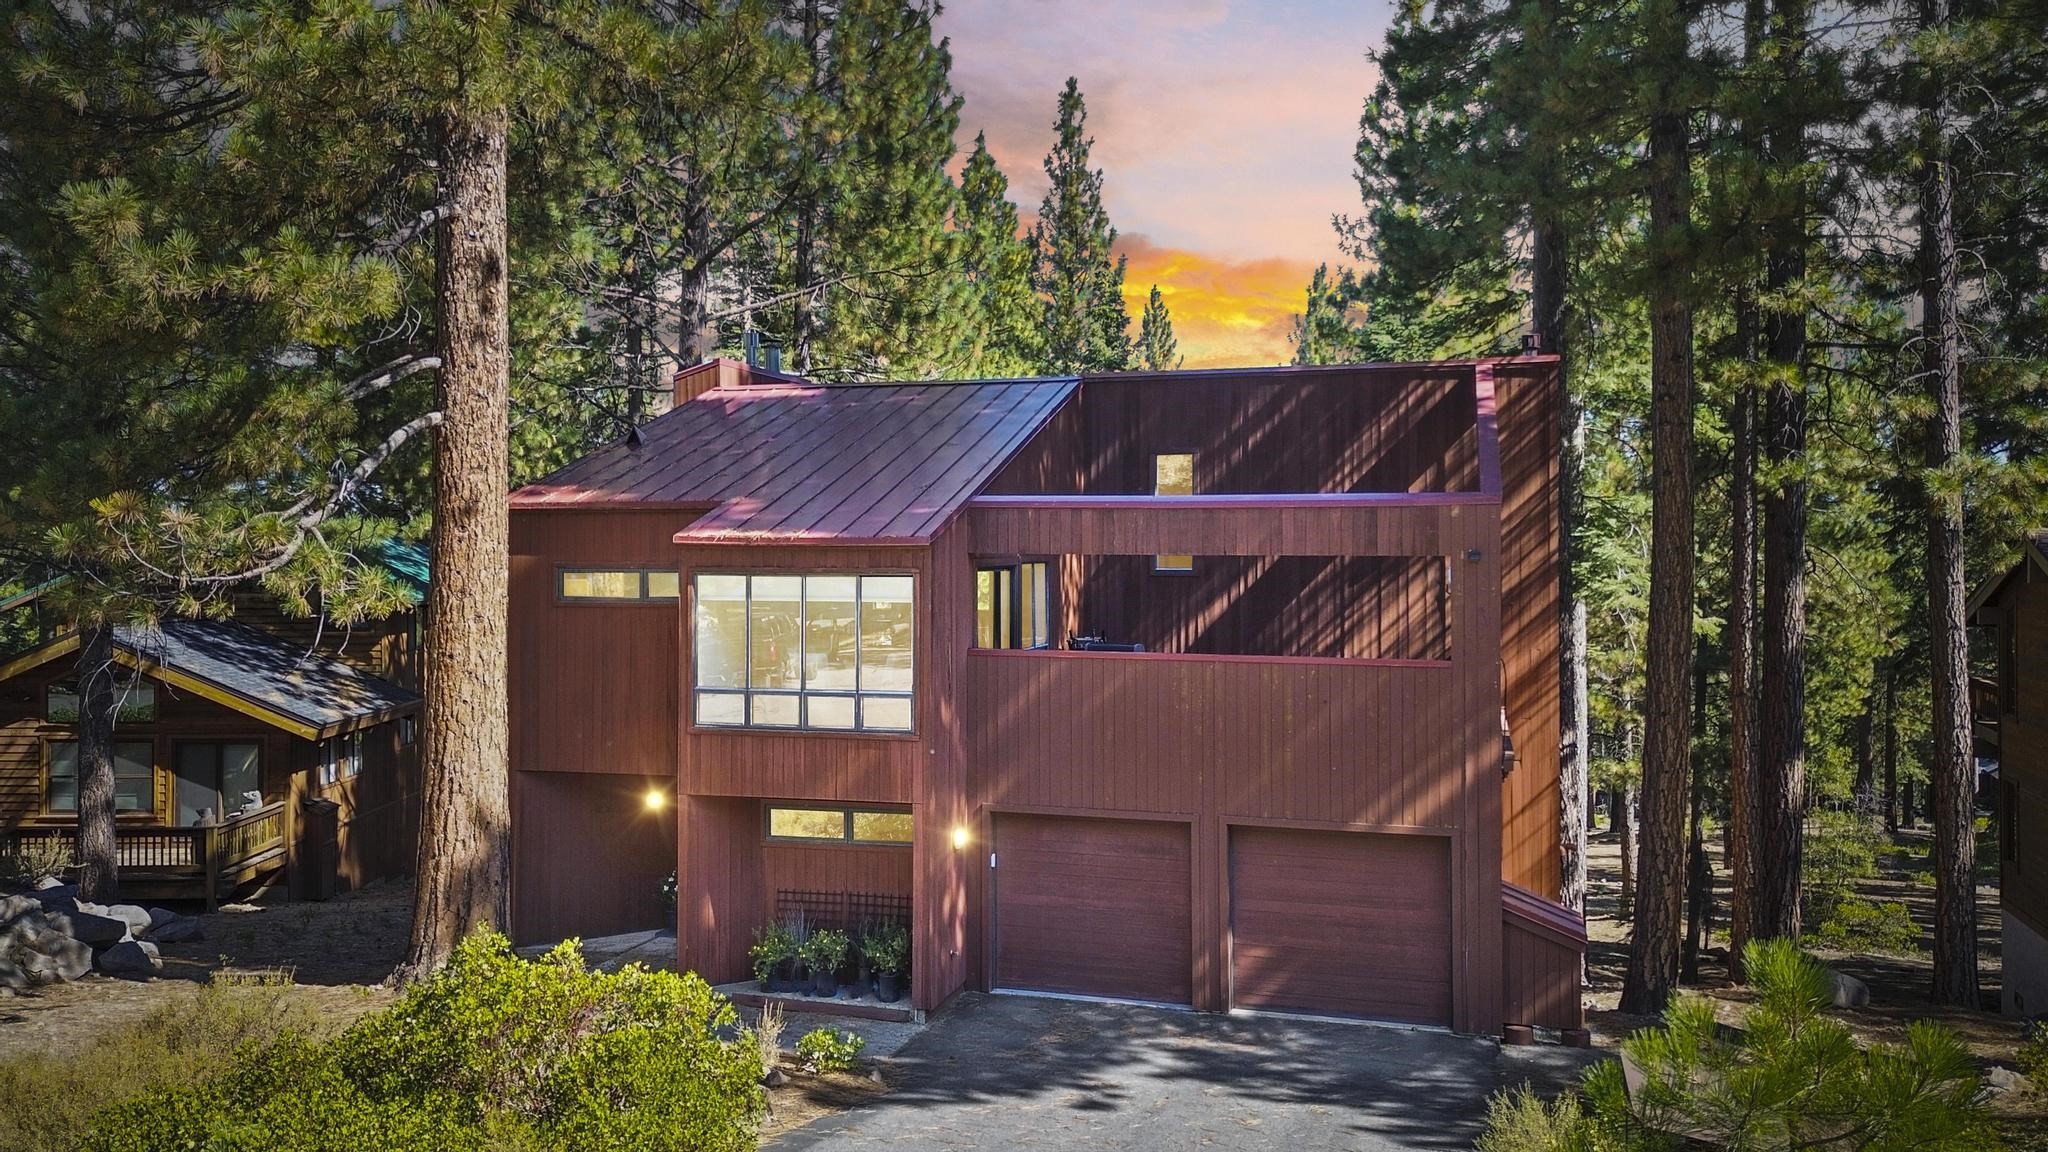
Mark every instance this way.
x=1226 y=313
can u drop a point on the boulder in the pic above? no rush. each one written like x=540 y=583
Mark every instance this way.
x=49 y=883
x=12 y=907
x=12 y=978
x=134 y=915
x=2000 y=1081
x=22 y=930
x=132 y=958
x=88 y=928
x=60 y=956
x=1849 y=992
x=158 y=917
x=181 y=930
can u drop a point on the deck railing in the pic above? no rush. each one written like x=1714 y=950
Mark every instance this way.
x=1984 y=698
x=202 y=854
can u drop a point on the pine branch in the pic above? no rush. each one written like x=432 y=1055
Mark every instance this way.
x=386 y=375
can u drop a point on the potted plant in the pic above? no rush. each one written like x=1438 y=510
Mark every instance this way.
x=799 y=933
x=888 y=949
x=825 y=951
x=773 y=947
x=857 y=959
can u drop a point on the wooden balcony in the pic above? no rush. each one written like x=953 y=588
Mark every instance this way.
x=207 y=862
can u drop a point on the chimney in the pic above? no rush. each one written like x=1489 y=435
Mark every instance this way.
x=698 y=379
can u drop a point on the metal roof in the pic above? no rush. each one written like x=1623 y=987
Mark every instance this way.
x=806 y=463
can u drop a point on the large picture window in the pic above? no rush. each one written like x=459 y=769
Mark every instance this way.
x=134 y=777
x=814 y=651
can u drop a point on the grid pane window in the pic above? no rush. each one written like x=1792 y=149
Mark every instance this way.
x=821 y=651
x=839 y=825
x=642 y=584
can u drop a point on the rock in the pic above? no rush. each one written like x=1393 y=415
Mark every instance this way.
x=2000 y=1081
x=88 y=928
x=775 y=1078
x=180 y=930
x=12 y=978
x=1849 y=991
x=134 y=958
x=49 y=882
x=13 y=907
x=60 y=892
x=67 y=959
x=158 y=917
x=23 y=929
x=135 y=916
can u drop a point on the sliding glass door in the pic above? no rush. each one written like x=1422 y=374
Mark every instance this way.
x=216 y=781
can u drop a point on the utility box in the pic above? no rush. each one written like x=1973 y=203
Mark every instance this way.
x=320 y=853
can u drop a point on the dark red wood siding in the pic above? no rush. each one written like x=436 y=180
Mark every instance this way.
x=1093 y=907
x=1543 y=953
x=1342 y=923
x=588 y=855
x=1531 y=551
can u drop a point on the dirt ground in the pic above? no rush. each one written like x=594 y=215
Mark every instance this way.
x=1899 y=984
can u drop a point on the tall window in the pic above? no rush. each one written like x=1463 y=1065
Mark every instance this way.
x=134 y=777
x=817 y=650
x=1173 y=474
x=1012 y=607
x=216 y=781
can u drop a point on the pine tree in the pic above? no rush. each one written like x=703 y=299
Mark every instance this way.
x=1321 y=331
x=1004 y=335
x=1081 y=289
x=1157 y=350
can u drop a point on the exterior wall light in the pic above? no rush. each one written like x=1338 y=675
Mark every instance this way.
x=655 y=800
x=959 y=837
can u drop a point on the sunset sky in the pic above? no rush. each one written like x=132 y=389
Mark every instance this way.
x=1224 y=130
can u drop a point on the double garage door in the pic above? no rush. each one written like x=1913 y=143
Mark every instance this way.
x=1337 y=923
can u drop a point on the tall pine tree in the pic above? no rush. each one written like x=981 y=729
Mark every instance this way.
x=1079 y=285
x=1004 y=334
x=1157 y=350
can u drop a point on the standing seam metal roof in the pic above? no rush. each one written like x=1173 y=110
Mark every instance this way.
x=799 y=463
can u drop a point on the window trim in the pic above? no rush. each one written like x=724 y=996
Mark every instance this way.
x=1014 y=610
x=846 y=815
x=746 y=691
x=329 y=760
x=644 y=598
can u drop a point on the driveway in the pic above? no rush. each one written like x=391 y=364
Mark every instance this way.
x=999 y=1072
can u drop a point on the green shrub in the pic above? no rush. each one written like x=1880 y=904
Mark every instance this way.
x=2033 y=1054
x=1792 y=1077
x=773 y=944
x=887 y=949
x=492 y=1052
x=825 y=951
x=1841 y=851
x=823 y=1050
x=47 y=1103
x=27 y=859
x=1865 y=926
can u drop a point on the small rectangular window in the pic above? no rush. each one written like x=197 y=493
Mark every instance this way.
x=839 y=825
x=1012 y=608
x=408 y=731
x=617 y=584
x=1173 y=474
x=134 y=702
x=807 y=823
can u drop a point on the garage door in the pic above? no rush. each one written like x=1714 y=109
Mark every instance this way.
x=1092 y=907
x=1341 y=923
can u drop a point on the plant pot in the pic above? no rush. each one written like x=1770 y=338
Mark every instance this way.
x=825 y=984
x=770 y=983
x=886 y=989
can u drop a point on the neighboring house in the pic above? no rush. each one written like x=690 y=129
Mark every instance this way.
x=247 y=751
x=2012 y=717
x=1193 y=688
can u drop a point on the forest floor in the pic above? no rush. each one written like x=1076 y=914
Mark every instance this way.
x=1899 y=982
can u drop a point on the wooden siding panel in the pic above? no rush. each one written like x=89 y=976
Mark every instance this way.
x=1532 y=550
x=589 y=857
x=592 y=687
x=1543 y=952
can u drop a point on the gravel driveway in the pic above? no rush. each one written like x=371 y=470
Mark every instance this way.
x=999 y=1072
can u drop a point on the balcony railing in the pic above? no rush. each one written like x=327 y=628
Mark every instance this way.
x=187 y=862
x=1984 y=696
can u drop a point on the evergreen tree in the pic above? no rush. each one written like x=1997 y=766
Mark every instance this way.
x=1004 y=334
x=1082 y=290
x=1157 y=350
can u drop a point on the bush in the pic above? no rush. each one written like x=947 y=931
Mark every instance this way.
x=2033 y=1054
x=1791 y=1077
x=823 y=1050
x=47 y=1103
x=493 y=1051
x=773 y=944
x=887 y=949
x=1863 y=926
x=27 y=859
x=1841 y=851
x=825 y=951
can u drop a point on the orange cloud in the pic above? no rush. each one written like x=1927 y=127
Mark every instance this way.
x=1226 y=313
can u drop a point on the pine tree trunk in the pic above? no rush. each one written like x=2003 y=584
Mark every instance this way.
x=1551 y=263
x=1624 y=821
x=1699 y=875
x=1954 y=771
x=465 y=822
x=1667 y=729
x=1863 y=792
x=1891 y=746
x=1742 y=556
x=98 y=854
x=1778 y=855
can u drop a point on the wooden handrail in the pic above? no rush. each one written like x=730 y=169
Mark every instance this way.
x=208 y=850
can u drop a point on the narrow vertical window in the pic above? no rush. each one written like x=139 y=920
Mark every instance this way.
x=1173 y=474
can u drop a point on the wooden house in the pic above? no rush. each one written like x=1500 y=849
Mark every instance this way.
x=2011 y=715
x=1231 y=689
x=257 y=750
